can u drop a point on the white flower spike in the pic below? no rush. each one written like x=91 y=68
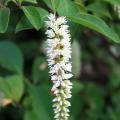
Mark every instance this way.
x=59 y=55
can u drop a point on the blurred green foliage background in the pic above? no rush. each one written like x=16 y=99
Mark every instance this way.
x=24 y=80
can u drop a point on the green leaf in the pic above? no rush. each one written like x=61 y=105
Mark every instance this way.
x=68 y=9
x=114 y=2
x=40 y=98
x=12 y=87
x=79 y=2
x=40 y=70
x=76 y=101
x=24 y=23
x=77 y=87
x=96 y=24
x=43 y=13
x=99 y=9
x=4 y=19
x=33 y=16
x=53 y=4
x=30 y=1
x=80 y=5
x=11 y=57
x=30 y=115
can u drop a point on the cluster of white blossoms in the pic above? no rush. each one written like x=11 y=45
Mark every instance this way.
x=117 y=9
x=59 y=55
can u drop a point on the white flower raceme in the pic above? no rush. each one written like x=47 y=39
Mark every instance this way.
x=59 y=55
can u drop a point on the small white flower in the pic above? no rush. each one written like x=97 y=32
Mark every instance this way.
x=59 y=54
x=50 y=33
